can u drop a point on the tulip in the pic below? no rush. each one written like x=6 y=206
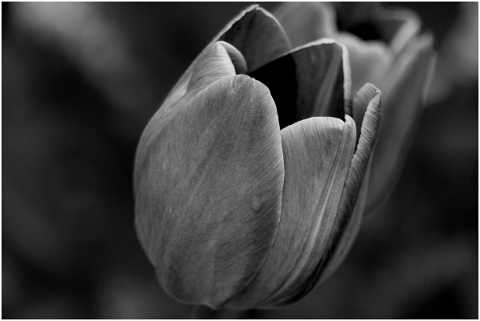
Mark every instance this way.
x=393 y=55
x=247 y=179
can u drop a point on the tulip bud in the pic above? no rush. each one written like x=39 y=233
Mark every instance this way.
x=242 y=198
x=392 y=54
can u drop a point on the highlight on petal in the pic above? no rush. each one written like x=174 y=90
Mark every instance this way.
x=305 y=22
x=361 y=101
x=317 y=153
x=214 y=63
x=218 y=60
x=257 y=34
x=312 y=80
x=352 y=204
x=404 y=90
x=208 y=195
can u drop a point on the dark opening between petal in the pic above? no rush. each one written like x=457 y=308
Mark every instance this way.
x=366 y=31
x=368 y=22
x=358 y=19
x=280 y=77
x=308 y=82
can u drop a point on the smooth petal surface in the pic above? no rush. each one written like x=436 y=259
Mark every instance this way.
x=215 y=62
x=344 y=226
x=369 y=60
x=387 y=32
x=361 y=101
x=352 y=204
x=323 y=79
x=219 y=60
x=341 y=228
x=312 y=80
x=208 y=194
x=305 y=22
x=317 y=153
x=397 y=26
x=404 y=89
x=257 y=35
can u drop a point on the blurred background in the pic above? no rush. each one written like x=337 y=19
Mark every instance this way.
x=80 y=82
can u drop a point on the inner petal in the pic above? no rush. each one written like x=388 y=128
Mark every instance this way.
x=258 y=36
x=312 y=80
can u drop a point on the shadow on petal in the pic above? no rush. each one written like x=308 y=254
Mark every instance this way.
x=258 y=36
x=312 y=80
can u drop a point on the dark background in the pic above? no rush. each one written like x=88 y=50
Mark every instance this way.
x=80 y=82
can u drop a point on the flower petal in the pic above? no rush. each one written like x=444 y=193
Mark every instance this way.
x=398 y=26
x=369 y=60
x=312 y=80
x=305 y=22
x=258 y=36
x=404 y=90
x=208 y=194
x=352 y=204
x=339 y=229
x=255 y=33
x=317 y=153
x=323 y=79
x=361 y=101
x=216 y=61
x=213 y=64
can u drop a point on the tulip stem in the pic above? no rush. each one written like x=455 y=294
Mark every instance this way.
x=202 y=312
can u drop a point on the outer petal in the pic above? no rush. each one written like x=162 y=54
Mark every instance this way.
x=312 y=80
x=361 y=101
x=305 y=22
x=352 y=204
x=339 y=230
x=404 y=89
x=258 y=36
x=215 y=62
x=344 y=225
x=208 y=194
x=255 y=32
x=317 y=154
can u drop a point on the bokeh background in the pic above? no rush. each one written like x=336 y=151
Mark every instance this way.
x=79 y=83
